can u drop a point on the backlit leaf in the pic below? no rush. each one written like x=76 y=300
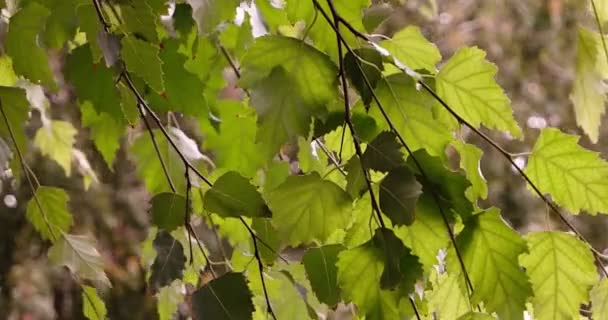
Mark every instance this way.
x=411 y=48
x=399 y=191
x=575 y=177
x=320 y=208
x=470 y=157
x=489 y=250
x=599 y=299
x=447 y=299
x=411 y=112
x=466 y=82
x=55 y=217
x=92 y=306
x=588 y=92
x=56 y=142
x=561 y=271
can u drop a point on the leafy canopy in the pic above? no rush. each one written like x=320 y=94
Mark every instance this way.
x=336 y=194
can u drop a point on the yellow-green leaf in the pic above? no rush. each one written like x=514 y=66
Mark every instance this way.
x=54 y=217
x=467 y=84
x=411 y=48
x=92 y=306
x=56 y=141
x=576 y=178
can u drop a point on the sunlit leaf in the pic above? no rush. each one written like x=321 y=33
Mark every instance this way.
x=470 y=157
x=411 y=48
x=54 y=217
x=575 y=177
x=561 y=271
x=466 y=82
x=489 y=250
x=411 y=112
x=447 y=299
x=92 y=306
x=56 y=142
x=169 y=298
x=320 y=208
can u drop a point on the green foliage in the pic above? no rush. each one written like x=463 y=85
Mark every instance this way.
x=320 y=208
x=92 y=306
x=467 y=83
x=574 y=177
x=54 y=218
x=242 y=125
x=561 y=271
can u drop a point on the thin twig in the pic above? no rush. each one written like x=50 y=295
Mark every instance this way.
x=416 y=162
x=347 y=115
x=599 y=27
x=256 y=253
x=330 y=156
x=26 y=173
x=413 y=303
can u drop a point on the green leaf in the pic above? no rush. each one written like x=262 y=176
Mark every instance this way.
x=106 y=132
x=141 y=58
x=88 y=22
x=283 y=113
x=139 y=19
x=313 y=74
x=310 y=156
x=16 y=107
x=383 y=153
x=476 y=316
x=7 y=73
x=359 y=273
x=575 y=177
x=447 y=299
x=55 y=140
x=169 y=298
x=333 y=141
x=183 y=89
x=355 y=179
x=29 y=59
x=588 y=92
x=213 y=12
x=149 y=167
x=599 y=299
x=400 y=266
x=93 y=82
x=489 y=250
x=561 y=271
x=427 y=235
x=411 y=112
x=320 y=264
x=61 y=24
x=451 y=186
x=168 y=210
x=470 y=157
x=321 y=32
x=307 y=208
x=226 y=297
x=232 y=195
x=78 y=253
x=170 y=260
x=466 y=82
x=411 y=48
x=92 y=306
x=238 y=128
x=399 y=191
x=55 y=218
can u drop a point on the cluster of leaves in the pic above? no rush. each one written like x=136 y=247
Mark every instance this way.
x=369 y=195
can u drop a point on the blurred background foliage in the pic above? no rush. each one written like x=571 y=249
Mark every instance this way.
x=532 y=42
